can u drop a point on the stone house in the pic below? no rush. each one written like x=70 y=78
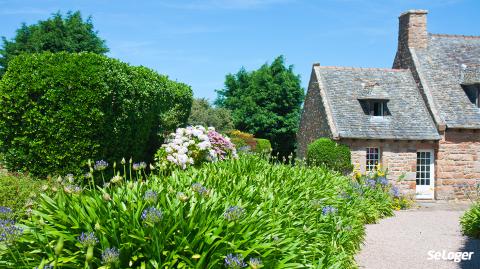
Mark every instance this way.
x=420 y=119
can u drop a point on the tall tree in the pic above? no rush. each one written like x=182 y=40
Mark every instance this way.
x=203 y=113
x=59 y=33
x=265 y=102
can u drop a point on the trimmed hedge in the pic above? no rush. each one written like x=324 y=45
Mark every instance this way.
x=243 y=140
x=325 y=151
x=263 y=146
x=59 y=109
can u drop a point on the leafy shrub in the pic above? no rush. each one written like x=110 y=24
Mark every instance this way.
x=263 y=145
x=325 y=151
x=470 y=221
x=194 y=145
x=58 y=109
x=244 y=210
x=16 y=191
x=247 y=142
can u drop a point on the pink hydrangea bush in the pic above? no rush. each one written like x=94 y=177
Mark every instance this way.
x=222 y=145
x=194 y=145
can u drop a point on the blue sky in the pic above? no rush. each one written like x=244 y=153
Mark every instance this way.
x=199 y=42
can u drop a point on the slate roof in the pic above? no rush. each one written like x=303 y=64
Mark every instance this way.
x=409 y=119
x=442 y=64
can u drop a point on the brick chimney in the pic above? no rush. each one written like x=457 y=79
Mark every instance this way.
x=412 y=29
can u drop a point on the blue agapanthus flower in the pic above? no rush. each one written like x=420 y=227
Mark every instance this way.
x=152 y=215
x=235 y=261
x=151 y=196
x=326 y=210
x=110 y=256
x=234 y=213
x=395 y=192
x=383 y=181
x=371 y=183
x=88 y=239
x=9 y=232
x=100 y=165
x=255 y=263
x=139 y=166
x=5 y=211
x=47 y=267
x=199 y=188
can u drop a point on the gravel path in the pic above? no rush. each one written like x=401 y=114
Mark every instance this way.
x=403 y=241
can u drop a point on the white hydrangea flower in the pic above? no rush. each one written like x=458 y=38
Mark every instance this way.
x=204 y=145
x=182 y=150
x=171 y=159
x=203 y=137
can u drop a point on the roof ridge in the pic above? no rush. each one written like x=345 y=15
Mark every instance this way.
x=361 y=68
x=456 y=36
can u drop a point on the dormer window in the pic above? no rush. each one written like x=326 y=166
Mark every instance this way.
x=473 y=93
x=375 y=107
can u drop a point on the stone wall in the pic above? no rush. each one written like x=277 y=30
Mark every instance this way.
x=314 y=123
x=458 y=164
x=399 y=157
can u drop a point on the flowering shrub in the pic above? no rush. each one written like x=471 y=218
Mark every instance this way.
x=246 y=142
x=194 y=145
x=9 y=231
x=378 y=179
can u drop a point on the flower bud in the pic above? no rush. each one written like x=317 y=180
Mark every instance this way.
x=123 y=160
x=107 y=197
x=59 y=246
x=89 y=256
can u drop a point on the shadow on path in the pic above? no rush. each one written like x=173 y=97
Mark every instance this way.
x=471 y=245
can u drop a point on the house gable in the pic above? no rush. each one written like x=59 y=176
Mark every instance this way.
x=316 y=120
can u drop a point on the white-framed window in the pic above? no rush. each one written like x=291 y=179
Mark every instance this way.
x=377 y=108
x=373 y=158
x=424 y=163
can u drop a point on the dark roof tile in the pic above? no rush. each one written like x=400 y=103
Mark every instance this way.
x=409 y=119
x=447 y=62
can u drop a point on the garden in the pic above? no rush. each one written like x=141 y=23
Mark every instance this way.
x=240 y=211
x=108 y=165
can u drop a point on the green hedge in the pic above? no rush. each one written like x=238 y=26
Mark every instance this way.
x=325 y=151
x=263 y=146
x=58 y=109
